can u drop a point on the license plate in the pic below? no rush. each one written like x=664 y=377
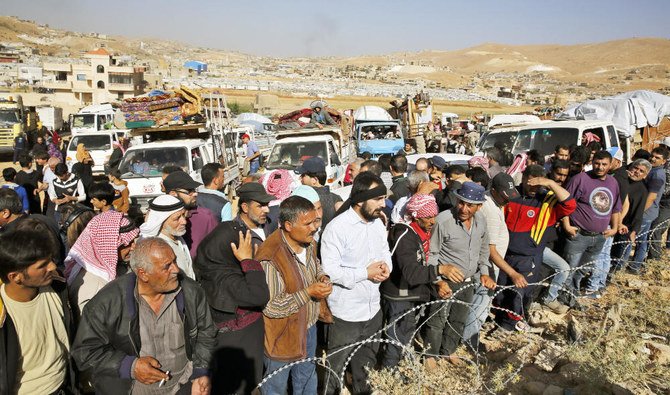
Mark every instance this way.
x=149 y=188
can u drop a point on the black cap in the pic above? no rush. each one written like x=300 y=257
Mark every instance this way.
x=179 y=180
x=313 y=164
x=254 y=191
x=438 y=161
x=504 y=185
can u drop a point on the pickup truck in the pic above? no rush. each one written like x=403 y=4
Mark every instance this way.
x=184 y=146
x=294 y=146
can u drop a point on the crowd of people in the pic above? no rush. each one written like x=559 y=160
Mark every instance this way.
x=204 y=295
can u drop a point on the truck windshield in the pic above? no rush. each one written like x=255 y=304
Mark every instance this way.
x=150 y=162
x=91 y=142
x=379 y=132
x=544 y=140
x=291 y=155
x=83 y=121
x=9 y=116
x=505 y=140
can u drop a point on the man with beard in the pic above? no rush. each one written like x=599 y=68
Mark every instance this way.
x=167 y=219
x=596 y=217
x=237 y=291
x=356 y=256
x=297 y=285
x=149 y=331
x=37 y=325
x=460 y=241
x=200 y=220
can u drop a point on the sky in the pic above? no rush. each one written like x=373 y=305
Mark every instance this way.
x=288 y=28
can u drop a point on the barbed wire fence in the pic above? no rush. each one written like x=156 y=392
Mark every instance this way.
x=408 y=350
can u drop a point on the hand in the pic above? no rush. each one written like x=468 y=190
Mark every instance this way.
x=623 y=229
x=325 y=279
x=244 y=250
x=540 y=181
x=451 y=272
x=201 y=386
x=318 y=125
x=319 y=290
x=378 y=271
x=426 y=187
x=487 y=282
x=519 y=280
x=443 y=290
x=571 y=230
x=609 y=232
x=632 y=237
x=147 y=371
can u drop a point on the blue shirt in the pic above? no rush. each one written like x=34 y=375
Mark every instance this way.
x=23 y=195
x=348 y=246
x=252 y=148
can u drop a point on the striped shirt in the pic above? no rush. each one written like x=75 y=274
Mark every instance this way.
x=283 y=304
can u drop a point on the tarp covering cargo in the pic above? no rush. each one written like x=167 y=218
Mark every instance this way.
x=627 y=111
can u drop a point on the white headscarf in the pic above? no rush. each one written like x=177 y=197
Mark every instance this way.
x=160 y=209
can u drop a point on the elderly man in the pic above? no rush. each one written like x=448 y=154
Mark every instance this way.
x=149 y=331
x=356 y=256
x=37 y=325
x=297 y=285
x=200 y=220
x=460 y=241
x=237 y=292
x=167 y=219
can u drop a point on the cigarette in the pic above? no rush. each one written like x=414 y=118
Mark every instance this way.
x=163 y=381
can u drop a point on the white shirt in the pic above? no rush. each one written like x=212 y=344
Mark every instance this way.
x=348 y=246
x=497 y=228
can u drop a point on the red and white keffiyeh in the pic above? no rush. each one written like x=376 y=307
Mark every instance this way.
x=96 y=249
x=421 y=206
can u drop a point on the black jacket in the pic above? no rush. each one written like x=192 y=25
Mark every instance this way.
x=108 y=338
x=9 y=345
x=411 y=278
x=400 y=188
x=236 y=291
x=213 y=202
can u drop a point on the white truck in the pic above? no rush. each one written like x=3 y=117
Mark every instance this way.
x=99 y=144
x=51 y=117
x=294 y=146
x=184 y=146
x=94 y=118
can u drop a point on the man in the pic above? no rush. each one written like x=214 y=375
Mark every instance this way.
x=37 y=326
x=253 y=154
x=200 y=220
x=166 y=219
x=561 y=152
x=210 y=195
x=149 y=331
x=29 y=179
x=578 y=159
x=655 y=186
x=47 y=179
x=354 y=170
x=310 y=194
x=411 y=283
x=237 y=291
x=297 y=285
x=11 y=213
x=320 y=116
x=460 y=241
x=415 y=180
x=560 y=171
x=454 y=179
x=399 y=187
x=495 y=156
x=531 y=220
x=595 y=218
x=65 y=188
x=20 y=146
x=632 y=221
x=502 y=191
x=356 y=256
x=313 y=173
x=662 y=222
x=9 y=174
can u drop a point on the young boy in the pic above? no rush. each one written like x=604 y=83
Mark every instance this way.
x=121 y=192
x=102 y=196
x=9 y=174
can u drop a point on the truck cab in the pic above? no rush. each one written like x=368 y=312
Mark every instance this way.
x=99 y=144
x=293 y=147
x=377 y=132
x=14 y=120
x=93 y=118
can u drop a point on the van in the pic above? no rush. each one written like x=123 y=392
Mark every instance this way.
x=99 y=144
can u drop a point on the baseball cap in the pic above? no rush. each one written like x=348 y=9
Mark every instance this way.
x=179 y=180
x=504 y=185
x=616 y=152
x=438 y=162
x=254 y=191
x=313 y=164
